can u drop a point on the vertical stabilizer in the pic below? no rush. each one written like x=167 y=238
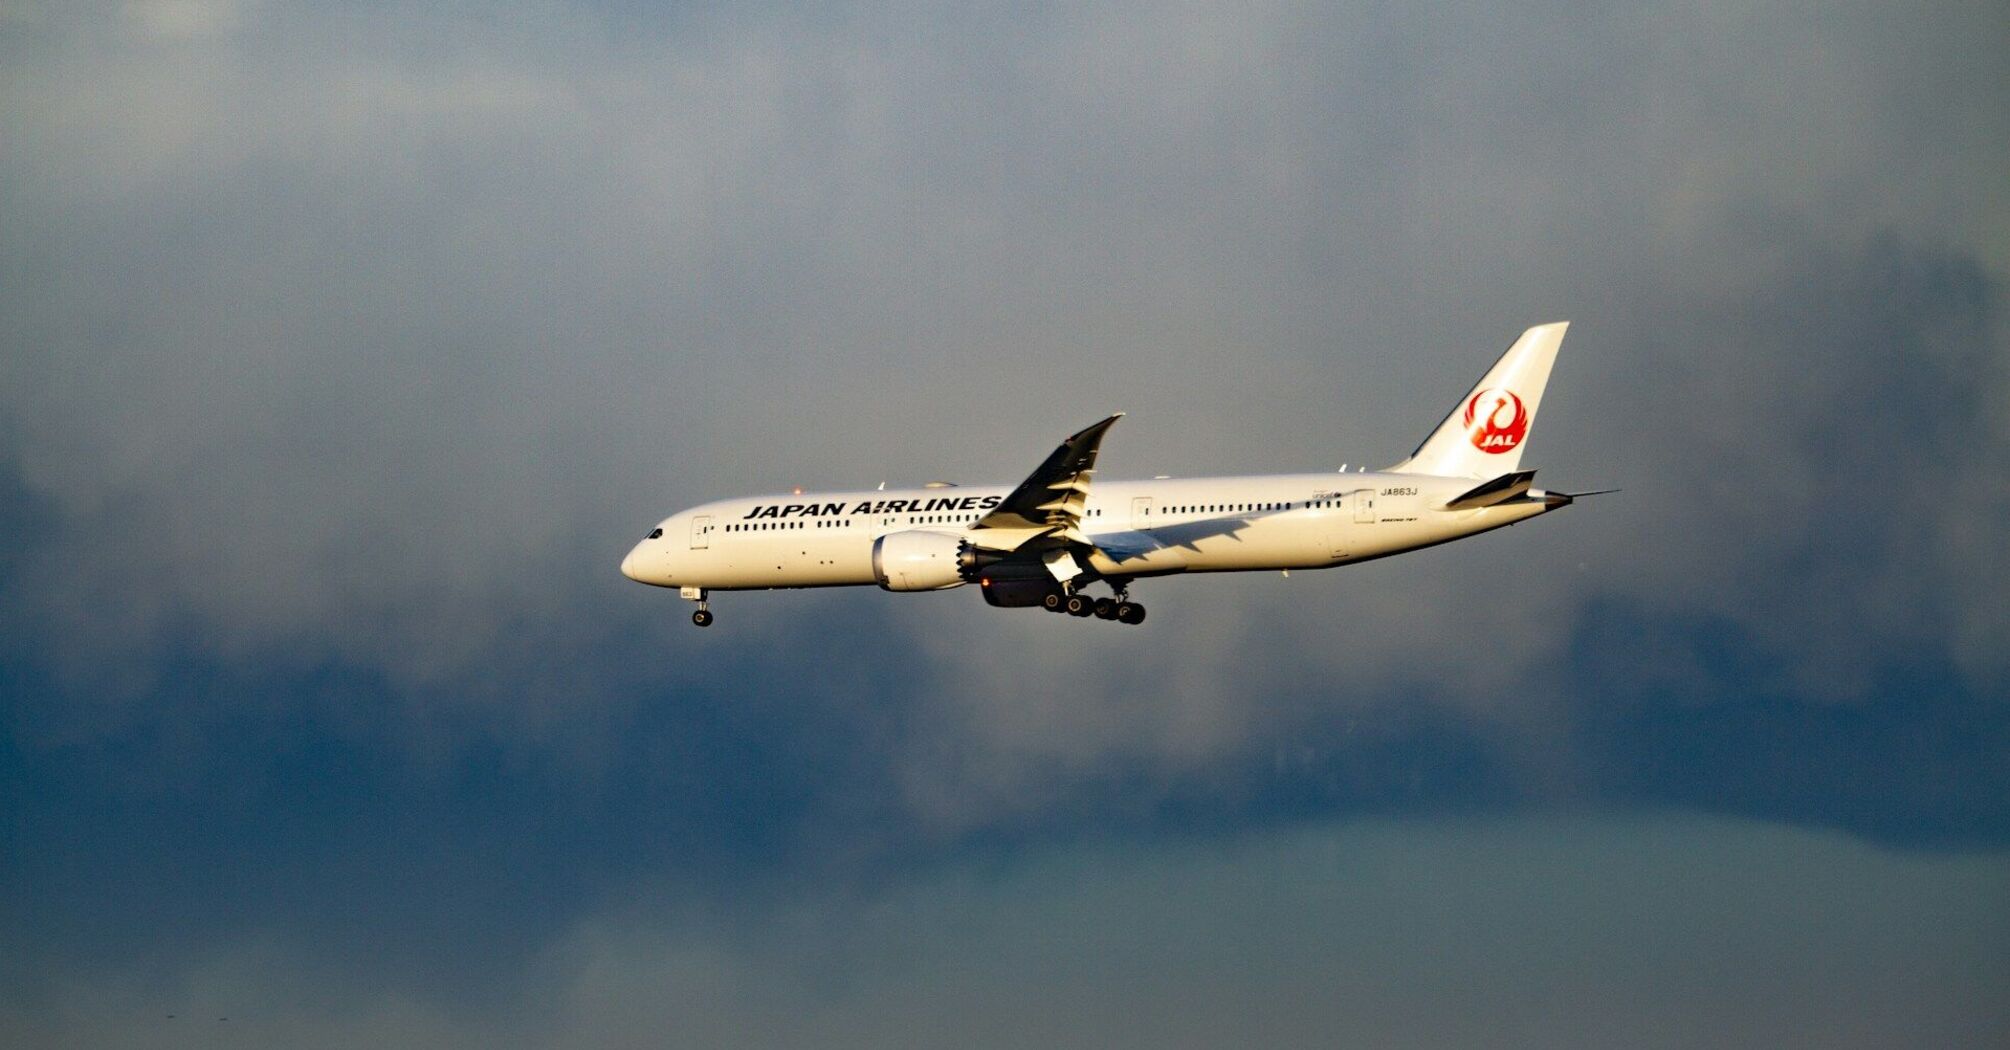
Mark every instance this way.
x=1483 y=436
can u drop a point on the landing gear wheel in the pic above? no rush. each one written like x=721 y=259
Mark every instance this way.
x=1106 y=608
x=1080 y=605
x=1128 y=612
x=702 y=617
x=1053 y=601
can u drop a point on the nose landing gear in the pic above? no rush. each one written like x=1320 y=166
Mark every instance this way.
x=703 y=617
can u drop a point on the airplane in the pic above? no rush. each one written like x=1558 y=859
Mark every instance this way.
x=1042 y=543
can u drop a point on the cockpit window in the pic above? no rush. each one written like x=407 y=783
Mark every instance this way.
x=656 y=534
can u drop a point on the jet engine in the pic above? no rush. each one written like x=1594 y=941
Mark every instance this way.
x=918 y=560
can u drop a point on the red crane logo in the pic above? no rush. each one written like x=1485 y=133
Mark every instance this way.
x=1502 y=426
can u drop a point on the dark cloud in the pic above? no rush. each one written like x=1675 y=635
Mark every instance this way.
x=347 y=348
x=1575 y=931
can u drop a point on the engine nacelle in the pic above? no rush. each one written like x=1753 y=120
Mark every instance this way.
x=918 y=560
x=1016 y=585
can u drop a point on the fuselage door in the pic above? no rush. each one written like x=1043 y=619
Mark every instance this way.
x=1364 y=506
x=701 y=532
x=1141 y=512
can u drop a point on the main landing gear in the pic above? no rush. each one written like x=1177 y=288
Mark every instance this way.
x=1119 y=608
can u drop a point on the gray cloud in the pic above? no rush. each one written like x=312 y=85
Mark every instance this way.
x=369 y=337
x=1577 y=931
x=347 y=347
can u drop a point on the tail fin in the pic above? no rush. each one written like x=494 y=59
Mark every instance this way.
x=1483 y=436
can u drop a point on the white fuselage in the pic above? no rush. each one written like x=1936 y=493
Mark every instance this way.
x=1152 y=528
x=1063 y=528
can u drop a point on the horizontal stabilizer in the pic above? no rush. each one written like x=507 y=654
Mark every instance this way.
x=1499 y=490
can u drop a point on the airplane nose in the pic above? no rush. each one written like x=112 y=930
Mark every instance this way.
x=628 y=566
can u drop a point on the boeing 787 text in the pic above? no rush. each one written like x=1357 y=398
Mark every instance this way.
x=1044 y=542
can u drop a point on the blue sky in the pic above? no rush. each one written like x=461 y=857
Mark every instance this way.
x=348 y=346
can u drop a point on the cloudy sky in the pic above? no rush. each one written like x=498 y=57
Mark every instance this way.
x=345 y=347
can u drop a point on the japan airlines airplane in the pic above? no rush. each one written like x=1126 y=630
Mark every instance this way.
x=1044 y=541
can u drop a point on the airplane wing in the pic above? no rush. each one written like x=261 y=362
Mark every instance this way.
x=1048 y=505
x=1126 y=545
